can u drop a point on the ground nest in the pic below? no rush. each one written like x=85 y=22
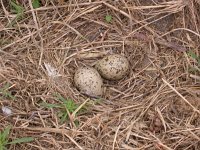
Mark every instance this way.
x=155 y=107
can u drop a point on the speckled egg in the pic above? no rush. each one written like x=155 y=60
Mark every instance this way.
x=88 y=81
x=113 y=67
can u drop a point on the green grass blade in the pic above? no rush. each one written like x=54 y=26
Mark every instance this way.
x=17 y=8
x=36 y=3
x=77 y=123
x=5 y=87
x=108 y=18
x=22 y=140
x=2 y=147
x=192 y=54
x=5 y=92
x=71 y=106
x=5 y=134
x=64 y=117
x=60 y=98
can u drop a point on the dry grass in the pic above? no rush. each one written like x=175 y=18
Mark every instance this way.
x=155 y=107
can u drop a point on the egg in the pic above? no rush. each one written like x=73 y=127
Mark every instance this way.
x=113 y=67
x=88 y=81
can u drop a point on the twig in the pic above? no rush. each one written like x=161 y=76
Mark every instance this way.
x=115 y=138
x=179 y=94
x=54 y=130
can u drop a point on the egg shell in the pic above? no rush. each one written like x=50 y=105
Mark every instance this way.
x=88 y=81
x=113 y=67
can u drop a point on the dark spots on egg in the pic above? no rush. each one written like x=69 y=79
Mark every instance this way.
x=88 y=79
x=118 y=71
x=113 y=67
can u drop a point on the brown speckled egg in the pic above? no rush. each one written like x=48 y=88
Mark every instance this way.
x=113 y=67
x=88 y=81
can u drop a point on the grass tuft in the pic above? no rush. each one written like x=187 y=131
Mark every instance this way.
x=4 y=139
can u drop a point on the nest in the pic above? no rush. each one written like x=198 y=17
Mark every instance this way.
x=156 y=106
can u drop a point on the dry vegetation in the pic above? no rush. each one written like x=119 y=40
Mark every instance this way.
x=155 y=107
